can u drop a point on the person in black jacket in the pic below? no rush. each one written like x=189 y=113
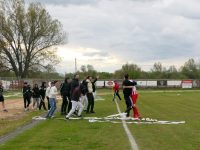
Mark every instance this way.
x=26 y=95
x=2 y=97
x=42 y=91
x=36 y=95
x=65 y=93
x=94 y=86
x=127 y=93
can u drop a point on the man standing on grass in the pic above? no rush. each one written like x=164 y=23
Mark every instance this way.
x=76 y=95
x=52 y=99
x=65 y=94
x=127 y=91
x=27 y=94
x=2 y=97
x=42 y=95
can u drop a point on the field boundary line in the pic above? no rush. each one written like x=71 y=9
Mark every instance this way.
x=132 y=141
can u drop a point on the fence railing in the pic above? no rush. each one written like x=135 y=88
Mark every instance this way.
x=12 y=83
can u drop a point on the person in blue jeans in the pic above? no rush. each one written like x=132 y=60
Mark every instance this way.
x=52 y=92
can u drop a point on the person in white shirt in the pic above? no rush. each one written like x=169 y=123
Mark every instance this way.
x=47 y=94
x=52 y=92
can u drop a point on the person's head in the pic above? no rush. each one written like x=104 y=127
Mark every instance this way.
x=43 y=83
x=76 y=76
x=115 y=81
x=53 y=83
x=0 y=83
x=89 y=77
x=66 y=79
x=126 y=76
x=25 y=83
x=36 y=85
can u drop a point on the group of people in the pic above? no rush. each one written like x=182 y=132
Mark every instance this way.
x=38 y=95
x=76 y=96
x=130 y=96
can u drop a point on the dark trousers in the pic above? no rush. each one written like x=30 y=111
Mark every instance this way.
x=64 y=104
x=129 y=104
x=48 y=103
x=116 y=93
x=27 y=101
x=90 y=107
x=42 y=103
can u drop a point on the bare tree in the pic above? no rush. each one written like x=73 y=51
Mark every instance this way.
x=27 y=36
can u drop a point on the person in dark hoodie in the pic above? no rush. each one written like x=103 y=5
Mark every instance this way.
x=26 y=95
x=65 y=93
x=127 y=93
x=42 y=95
x=74 y=83
x=94 y=86
x=36 y=95
x=76 y=102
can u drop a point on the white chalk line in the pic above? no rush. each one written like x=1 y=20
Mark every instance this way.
x=115 y=119
x=130 y=136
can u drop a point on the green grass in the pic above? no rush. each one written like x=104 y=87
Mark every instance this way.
x=12 y=94
x=80 y=134
x=7 y=125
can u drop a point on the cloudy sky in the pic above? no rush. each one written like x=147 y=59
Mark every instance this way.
x=110 y=33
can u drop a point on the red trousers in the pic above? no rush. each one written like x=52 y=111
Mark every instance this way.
x=135 y=109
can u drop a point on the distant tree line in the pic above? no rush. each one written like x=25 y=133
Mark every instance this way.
x=189 y=70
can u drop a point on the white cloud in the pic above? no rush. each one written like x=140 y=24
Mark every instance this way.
x=137 y=31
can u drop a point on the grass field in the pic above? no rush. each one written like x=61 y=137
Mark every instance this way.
x=82 y=135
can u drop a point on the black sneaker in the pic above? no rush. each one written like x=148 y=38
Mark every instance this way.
x=92 y=112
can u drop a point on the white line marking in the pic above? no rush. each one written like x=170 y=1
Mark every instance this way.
x=130 y=136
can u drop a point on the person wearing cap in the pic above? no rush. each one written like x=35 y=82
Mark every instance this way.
x=52 y=99
x=2 y=97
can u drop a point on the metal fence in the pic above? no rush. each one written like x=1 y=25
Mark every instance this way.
x=16 y=84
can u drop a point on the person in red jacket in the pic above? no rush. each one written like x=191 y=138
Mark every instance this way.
x=116 y=90
x=134 y=96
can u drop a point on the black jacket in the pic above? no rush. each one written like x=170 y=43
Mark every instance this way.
x=43 y=91
x=27 y=91
x=128 y=91
x=93 y=85
x=65 y=89
x=36 y=92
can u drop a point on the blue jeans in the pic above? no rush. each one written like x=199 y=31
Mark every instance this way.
x=52 y=102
